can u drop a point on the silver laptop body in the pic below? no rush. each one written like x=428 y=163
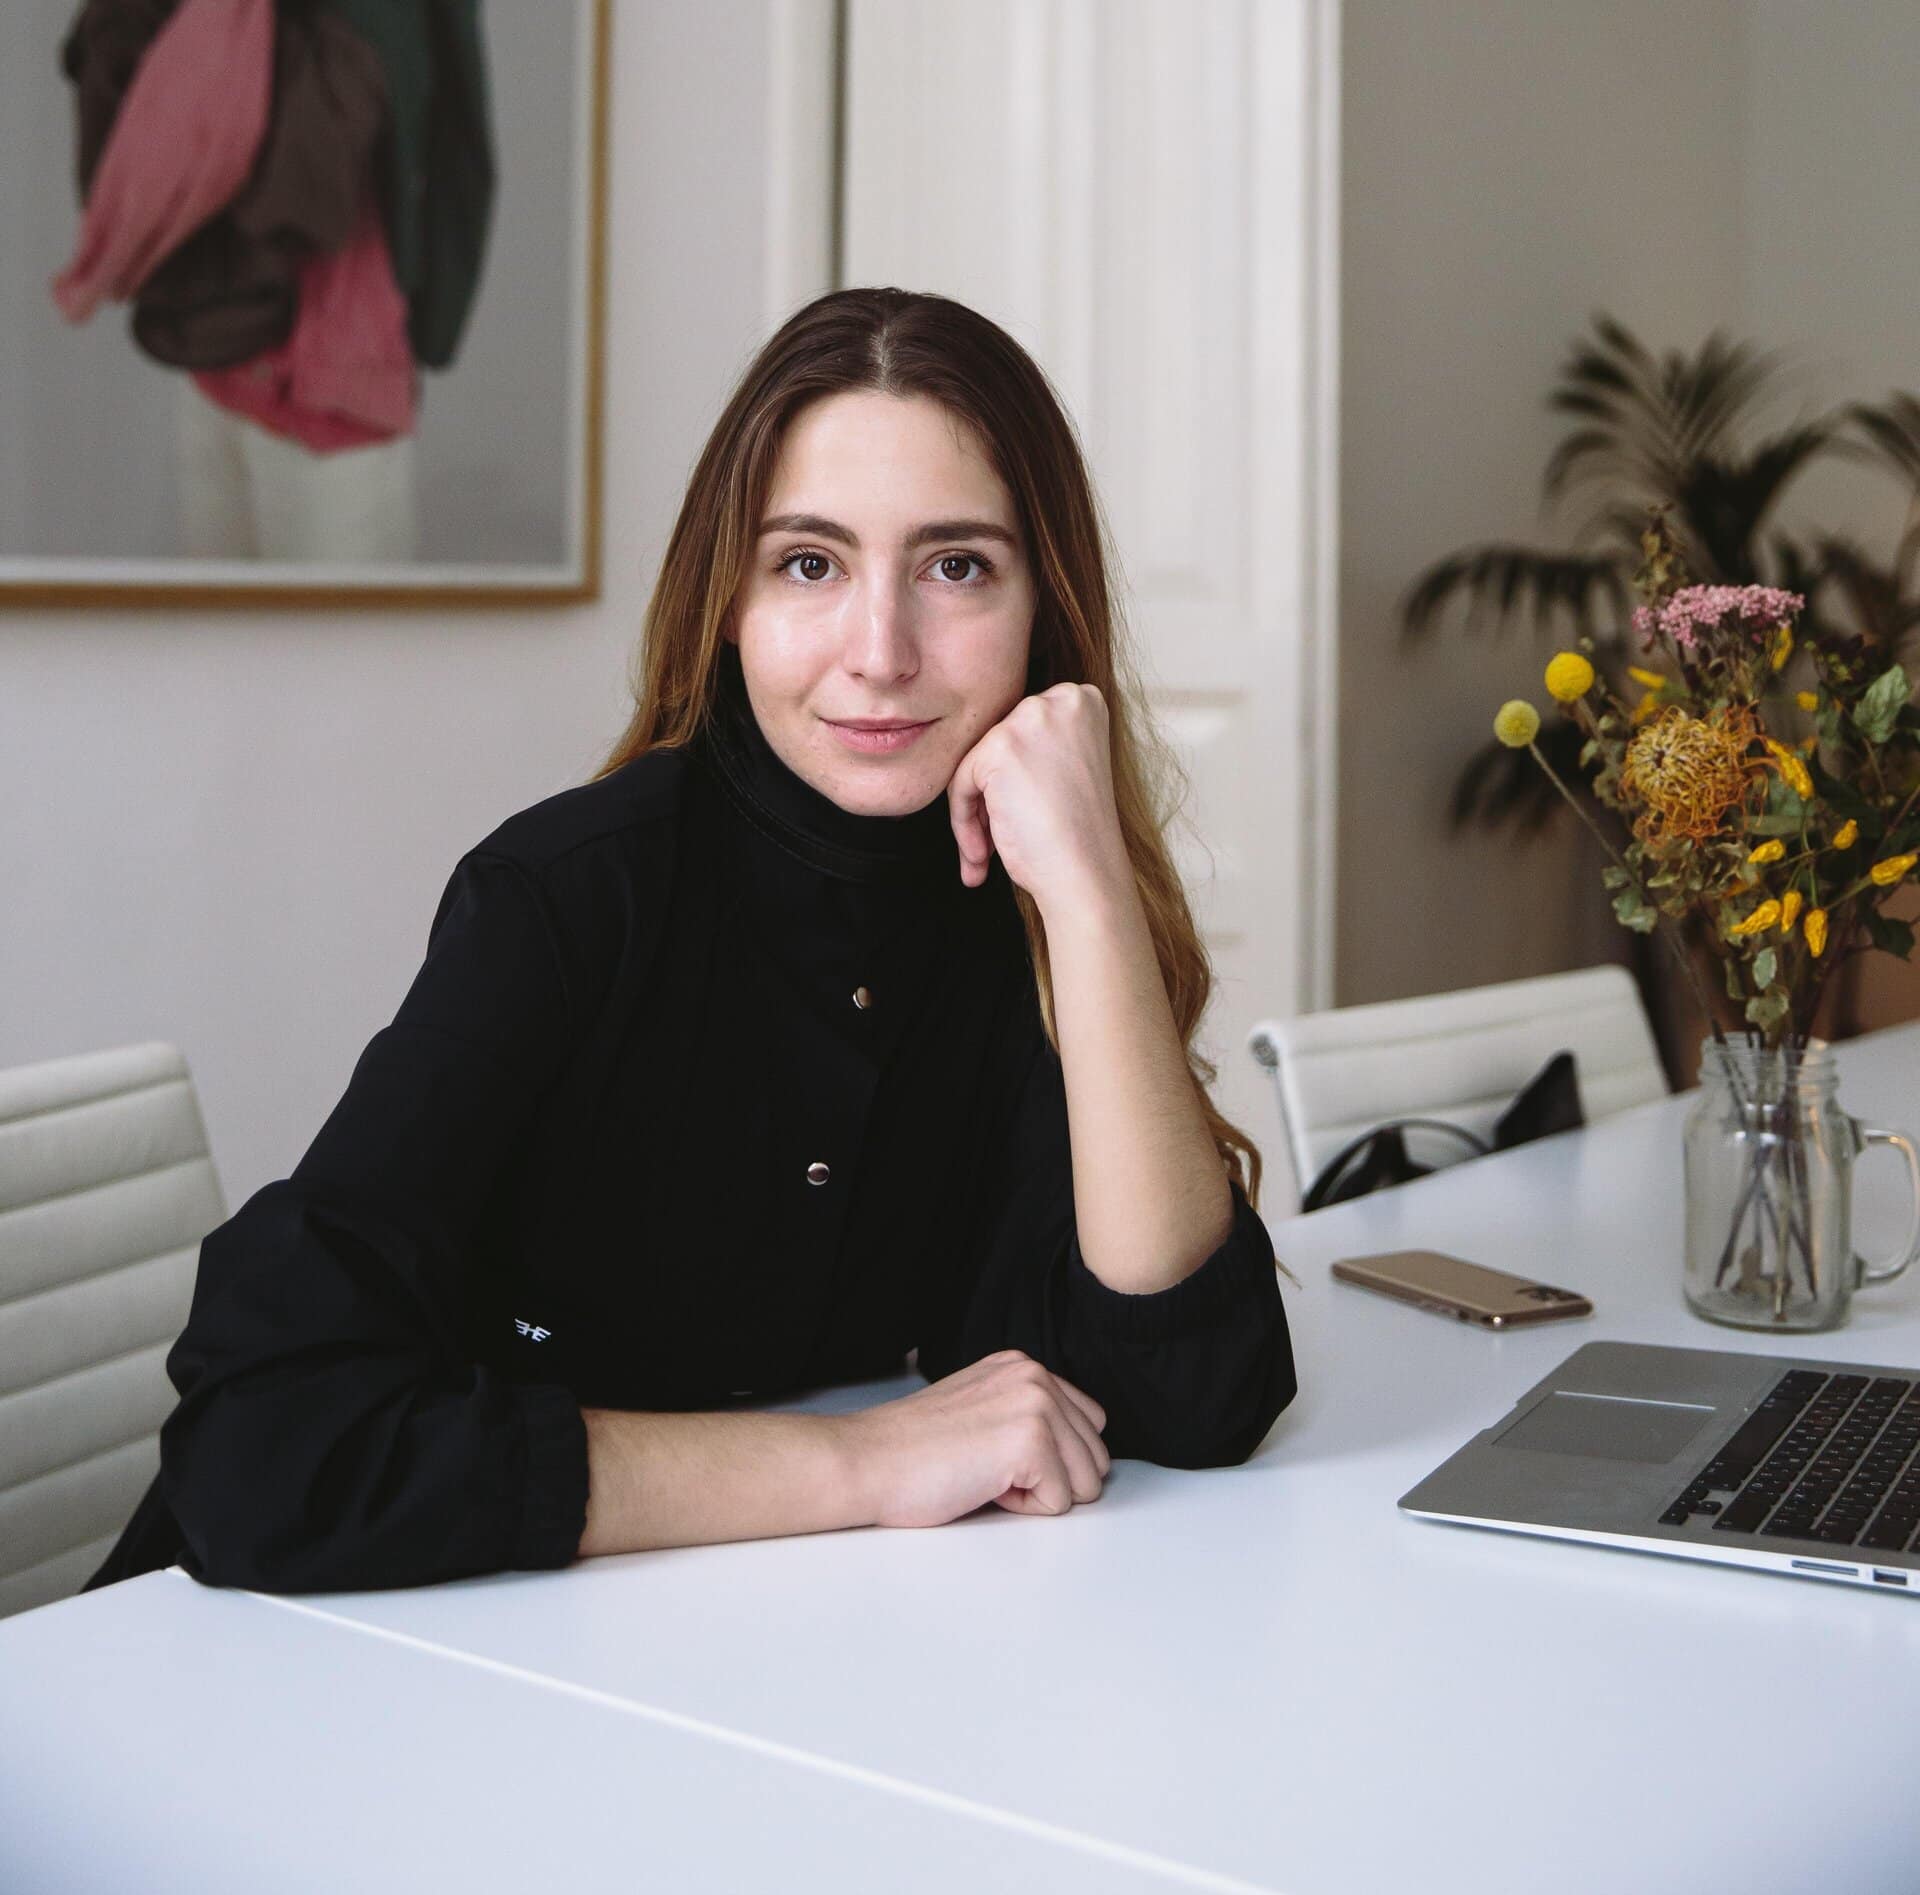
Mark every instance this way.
x=1786 y=1463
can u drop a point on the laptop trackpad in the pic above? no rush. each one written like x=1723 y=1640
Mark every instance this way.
x=1606 y=1426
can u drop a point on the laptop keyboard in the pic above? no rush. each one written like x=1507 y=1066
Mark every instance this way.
x=1824 y=1457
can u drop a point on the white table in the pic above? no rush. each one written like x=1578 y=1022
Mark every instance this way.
x=164 y=1736
x=1257 y=1677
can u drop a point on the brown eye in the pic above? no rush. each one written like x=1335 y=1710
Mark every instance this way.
x=963 y=560
x=810 y=559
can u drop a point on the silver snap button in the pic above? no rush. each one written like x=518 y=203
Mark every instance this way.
x=817 y=1173
x=862 y=998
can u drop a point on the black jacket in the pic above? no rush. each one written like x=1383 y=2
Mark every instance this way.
x=708 y=1092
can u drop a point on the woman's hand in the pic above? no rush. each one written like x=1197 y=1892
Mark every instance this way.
x=1003 y=1429
x=1038 y=786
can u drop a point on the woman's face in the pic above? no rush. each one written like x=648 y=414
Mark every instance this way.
x=887 y=583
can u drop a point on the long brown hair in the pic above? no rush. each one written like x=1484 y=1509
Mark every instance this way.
x=898 y=342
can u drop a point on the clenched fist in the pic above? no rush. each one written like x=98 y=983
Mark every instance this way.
x=1003 y=1429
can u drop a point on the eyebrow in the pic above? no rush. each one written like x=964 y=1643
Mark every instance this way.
x=923 y=535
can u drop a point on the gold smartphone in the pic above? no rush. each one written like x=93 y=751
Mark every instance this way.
x=1450 y=1286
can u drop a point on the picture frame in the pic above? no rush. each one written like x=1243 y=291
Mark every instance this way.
x=98 y=443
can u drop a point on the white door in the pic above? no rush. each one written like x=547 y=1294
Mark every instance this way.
x=1140 y=191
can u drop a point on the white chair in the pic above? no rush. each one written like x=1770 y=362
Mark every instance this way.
x=1459 y=1056
x=106 y=1189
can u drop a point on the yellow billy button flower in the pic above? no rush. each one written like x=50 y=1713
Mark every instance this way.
x=1767 y=852
x=1653 y=680
x=1789 y=910
x=1516 y=723
x=1807 y=700
x=1793 y=769
x=1847 y=835
x=1816 y=932
x=1569 y=677
x=1885 y=874
x=1762 y=918
x=1783 y=647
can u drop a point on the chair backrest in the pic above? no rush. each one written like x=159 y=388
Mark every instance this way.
x=106 y=1189
x=1458 y=1056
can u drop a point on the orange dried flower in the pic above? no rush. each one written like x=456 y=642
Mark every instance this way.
x=1686 y=772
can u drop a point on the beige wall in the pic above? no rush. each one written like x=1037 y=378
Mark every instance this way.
x=1509 y=167
x=229 y=830
x=1832 y=160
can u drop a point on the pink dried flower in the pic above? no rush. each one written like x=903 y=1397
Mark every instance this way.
x=1696 y=610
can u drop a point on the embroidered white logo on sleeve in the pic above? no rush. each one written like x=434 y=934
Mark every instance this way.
x=532 y=1330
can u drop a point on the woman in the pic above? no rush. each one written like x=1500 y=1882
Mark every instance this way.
x=785 y=1046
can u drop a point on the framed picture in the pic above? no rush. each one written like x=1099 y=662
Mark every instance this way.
x=318 y=381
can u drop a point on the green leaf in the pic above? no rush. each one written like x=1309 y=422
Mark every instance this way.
x=1765 y=964
x=1780 y=822
x=1782 y=801
x=1880 y=704
x=1766 y=1011
x=1736 y=987
x=1614 y=876
x=1842 y=798
x=1891 y=936
x=1632 y=912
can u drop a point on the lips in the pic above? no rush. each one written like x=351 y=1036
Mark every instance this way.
x=877 y=740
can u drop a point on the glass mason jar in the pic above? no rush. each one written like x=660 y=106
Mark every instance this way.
x=1769 y=1190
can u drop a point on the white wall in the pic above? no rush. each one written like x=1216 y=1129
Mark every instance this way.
x=230 y=830
x=1509 y=166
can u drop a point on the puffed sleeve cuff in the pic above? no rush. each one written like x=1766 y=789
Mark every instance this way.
x=553 y=1513
x=1235 y=1279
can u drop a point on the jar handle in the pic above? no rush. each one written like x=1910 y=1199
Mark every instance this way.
x=1910 y=1244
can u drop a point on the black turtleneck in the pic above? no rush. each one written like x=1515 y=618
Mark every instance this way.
x=707 y=1092
x=785 y=808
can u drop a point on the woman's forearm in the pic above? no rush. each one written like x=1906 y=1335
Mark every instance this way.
x=657 y=1480
x=1151 y=1199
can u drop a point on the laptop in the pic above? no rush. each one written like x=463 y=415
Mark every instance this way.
x=1784 y=1463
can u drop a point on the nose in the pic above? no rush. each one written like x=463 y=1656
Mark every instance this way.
x=882 y=641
